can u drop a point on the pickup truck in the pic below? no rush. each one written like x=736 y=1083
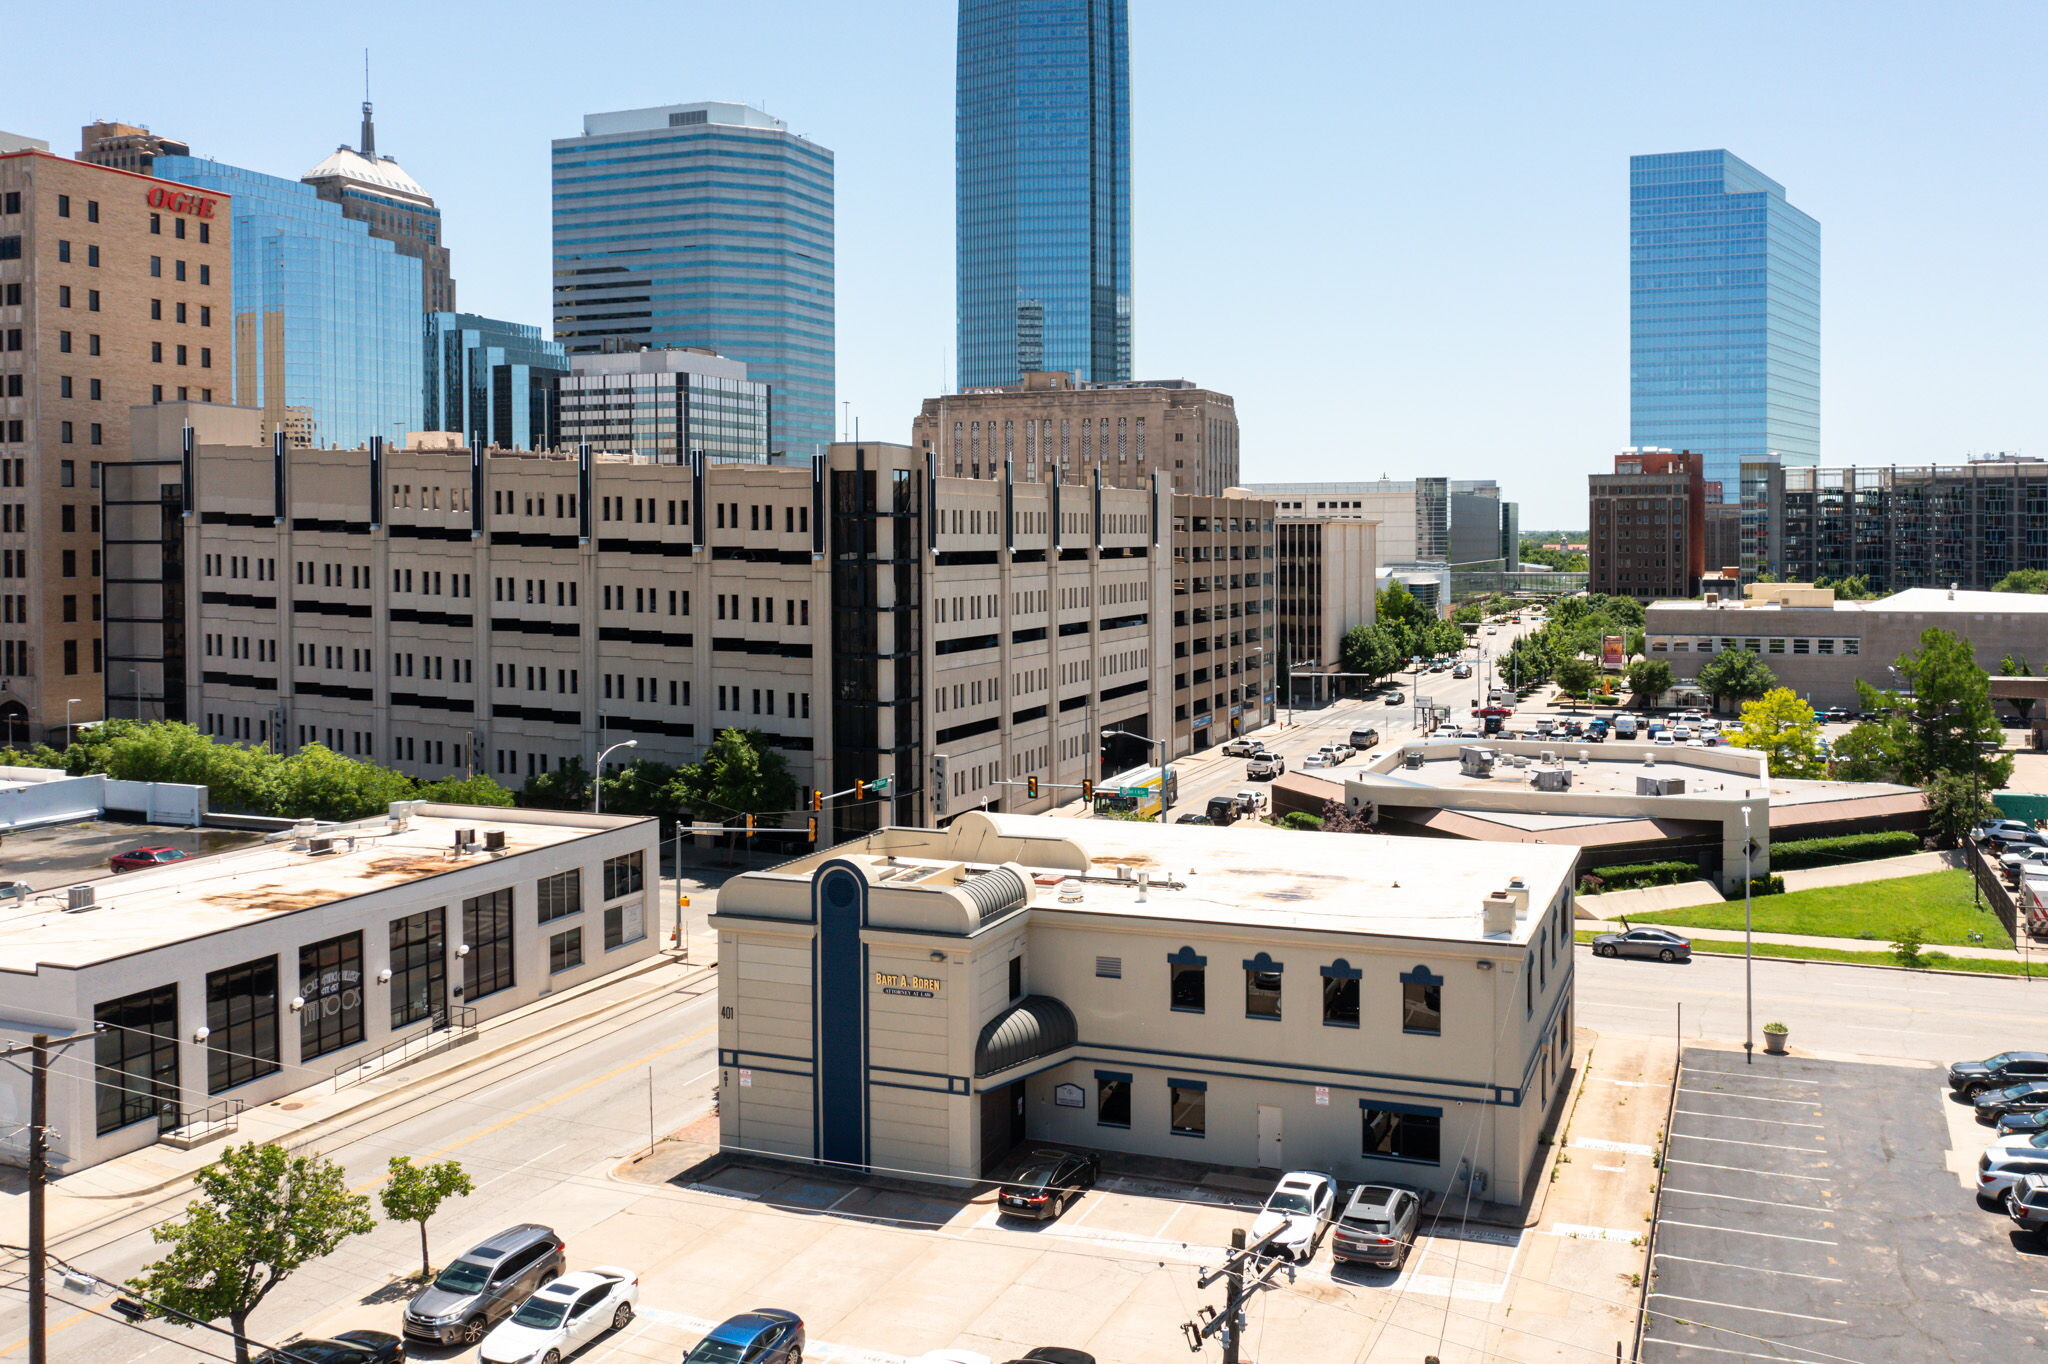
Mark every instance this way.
x=1265 y=767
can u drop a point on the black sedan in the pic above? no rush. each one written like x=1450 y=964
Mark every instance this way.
x=1049 y=1181
x=1970 y=1078
x=2031 y=1097
x=2023 y=1124
x=1055 y=1354
x=1659 y=943
x=350 y=1347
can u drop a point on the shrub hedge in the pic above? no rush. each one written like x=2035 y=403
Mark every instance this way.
x=1772 y=884
x=1640 y=874
x=1830 y=852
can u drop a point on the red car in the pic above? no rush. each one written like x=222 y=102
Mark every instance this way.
x=135 y=859
x=1503 y=712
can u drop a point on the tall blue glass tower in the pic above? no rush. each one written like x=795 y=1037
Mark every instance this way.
x=327 y=317
x=1043 y=186
x=703 y=225
x=1724 y=315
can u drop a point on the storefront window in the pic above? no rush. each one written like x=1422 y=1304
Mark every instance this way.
x=241 y=1024
x=487 y=931
x=561 y=895
x=1402 y=1133
x=623 y=875
x=331 y=983
x=419 y=968
x=136 y=1057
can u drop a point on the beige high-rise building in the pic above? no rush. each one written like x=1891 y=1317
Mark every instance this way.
x=444 y=612
x=1225 y=665
x=126 y=146
x=113 y=293
x=1049 y=423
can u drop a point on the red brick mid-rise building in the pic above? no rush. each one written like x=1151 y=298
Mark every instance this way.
x=1646 y=526
x=113 y=293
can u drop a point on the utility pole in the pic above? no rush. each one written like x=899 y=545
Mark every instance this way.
x=1233 y=1275
x=1228 y=1321
x=38 y=1049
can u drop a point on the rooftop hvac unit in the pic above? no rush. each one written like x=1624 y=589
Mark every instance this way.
x=1476 y=762
x=319 y=845
x=1412 y=757
x=465 y=839
x=494 y=840
x=1552 y=779
x=1660 y=786
x=1549 y=756
x=78 y=898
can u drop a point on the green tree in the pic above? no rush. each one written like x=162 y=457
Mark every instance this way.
x=1955 y=803
x=1576 y=675
x=318 y=783
x=565 y=788
x=739 y=775
x=480 y=789
x=2012 y=666
x=87 y=751
x=1648 y=679
x=1944 y=719
x=2022 y=580
x=641 y=787
x=1371 y=650
x=1783 y=728
x=262 y=1213
x=1736 y=675
x=1869 y=752
x=236 y=776
x=1441 y=637
x=1302 y=820
x=414 y=1193
x=41 y=755
x=1855 y=587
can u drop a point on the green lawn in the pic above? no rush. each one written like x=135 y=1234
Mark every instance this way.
x=1936 y=960
x=1937 y=903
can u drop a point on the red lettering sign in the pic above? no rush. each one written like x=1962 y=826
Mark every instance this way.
x=177 y=201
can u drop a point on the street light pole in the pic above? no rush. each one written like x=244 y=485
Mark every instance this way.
x=597 y=777
x=68 y=704
x=1748 y=948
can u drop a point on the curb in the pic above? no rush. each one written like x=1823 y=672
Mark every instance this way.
x=314 y=1130
x=1863 y=965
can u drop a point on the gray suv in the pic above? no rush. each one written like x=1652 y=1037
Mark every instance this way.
x=490 y=1279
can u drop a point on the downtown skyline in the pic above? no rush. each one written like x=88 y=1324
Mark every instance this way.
x=1361 y=363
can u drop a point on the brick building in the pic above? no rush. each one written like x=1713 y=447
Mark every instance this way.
x=1647 y=526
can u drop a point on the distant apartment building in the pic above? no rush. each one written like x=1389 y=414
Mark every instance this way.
x=376 y=191
x=1052 y=424
x=126 y=146
x=445 y=610
x=1646 y=535
x=494 y=383
x=706 y=224
x=1905 y=526
x=667 y=404
x=114 y=292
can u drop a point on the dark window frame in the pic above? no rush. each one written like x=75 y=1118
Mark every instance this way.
x=331 y=1018
x=565 y=950
x=1409 y=1133
x=1422 y=1000
x=242 y=1036
x=135 y=1057
x=487 y=932
x=1263 y=985
x=560 y=895
x=1112 y=1095
x=419 y=968
x=1187 y=982
x=1187 y=1099
x=1341 y=994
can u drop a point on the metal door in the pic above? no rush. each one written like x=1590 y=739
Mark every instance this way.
x=1271 y=1156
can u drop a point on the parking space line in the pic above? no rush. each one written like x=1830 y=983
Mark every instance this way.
x=1752 y=1098
x=1734 y=1198
x=1742 y=1075
x=1715 y=1349
x=1744 y=1169
x=1733 y=1141
x=1723 y=1264
x=1737 y=1117
x=1743 y=1231
x=1625 y=1148
x=1738 y=1307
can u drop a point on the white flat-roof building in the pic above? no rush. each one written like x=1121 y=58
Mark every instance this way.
x=232 y=979
x=923 y=1000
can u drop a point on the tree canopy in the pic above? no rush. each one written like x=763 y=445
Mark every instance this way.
x=1783 y=728
x=2023 y=580
x=1648 y=679
x=1736 y=675
x=1941 y=723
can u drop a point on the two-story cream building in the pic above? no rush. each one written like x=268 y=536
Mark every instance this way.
x=922 y=1001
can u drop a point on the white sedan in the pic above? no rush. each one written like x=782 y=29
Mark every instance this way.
x=563 y=1317
x=1296 y=1213
x=1318 y=760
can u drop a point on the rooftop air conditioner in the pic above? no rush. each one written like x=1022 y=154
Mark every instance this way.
x=79 y=898
x=494 y=840
x=1552 y=779
x=319 y=845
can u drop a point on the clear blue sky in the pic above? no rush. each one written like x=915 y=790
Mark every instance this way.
x=1396 y=232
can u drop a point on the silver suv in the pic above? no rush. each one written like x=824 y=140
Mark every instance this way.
x=490 y=1279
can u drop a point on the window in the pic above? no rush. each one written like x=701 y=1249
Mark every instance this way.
x=1262 y=987
x=1422 y=1002
x=561 y=895
x=1112 y=1099
x=136 y=1057
x=1400 y=1131
x=623 y=875
x=487 y=930
x=331 y=983
x=1188 y=990
x=626 y=923
x=419 y=968
x=1340 y=995
x=1016 y=977
x=241 y=1024
x=1190 y=1107
x=565 y=951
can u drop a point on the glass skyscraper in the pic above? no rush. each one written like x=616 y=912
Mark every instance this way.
x=1043 y=187
x=327 y=317
x=1724 y=316
x=707 y=225
x=495 y=382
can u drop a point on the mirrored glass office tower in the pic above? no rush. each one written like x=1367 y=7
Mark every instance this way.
x=1724 y=316
x=707 y=225
x=1043 y=185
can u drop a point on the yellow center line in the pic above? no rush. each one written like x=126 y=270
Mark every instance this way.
x=71 y=1320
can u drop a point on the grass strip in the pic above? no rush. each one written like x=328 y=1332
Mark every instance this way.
x=1930 y=960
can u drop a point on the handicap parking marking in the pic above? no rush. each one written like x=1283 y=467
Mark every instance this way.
x=1574 y=1232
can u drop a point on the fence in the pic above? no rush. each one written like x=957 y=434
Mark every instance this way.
x=1992 y=886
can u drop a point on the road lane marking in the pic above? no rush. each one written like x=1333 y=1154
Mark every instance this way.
x=1723 y=1264
x=1736 y=1198
x=1737 y=1117
x=1736 y=1306
x=1742 y=1231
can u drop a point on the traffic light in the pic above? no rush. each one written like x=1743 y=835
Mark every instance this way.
x=1087 y=790
x=1031 y=787
x=750 y=826
x=813 y=821
x=817 y=799
x=860 y=790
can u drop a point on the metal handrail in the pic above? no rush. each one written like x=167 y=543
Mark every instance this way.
x=224 y=1116
x=440 y=1031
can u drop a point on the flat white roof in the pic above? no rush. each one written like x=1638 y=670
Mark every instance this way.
x=1263 y=877
x=1923 y=600
x=158 y=906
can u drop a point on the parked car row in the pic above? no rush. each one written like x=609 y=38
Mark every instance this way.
x=2010 y=1091
x=1375 y=1225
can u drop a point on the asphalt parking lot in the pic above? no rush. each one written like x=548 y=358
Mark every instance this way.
x=1812 y=1211
x=65 y=854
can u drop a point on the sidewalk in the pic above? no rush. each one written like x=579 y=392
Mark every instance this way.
x=1809 y=940
x=80 y=1198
